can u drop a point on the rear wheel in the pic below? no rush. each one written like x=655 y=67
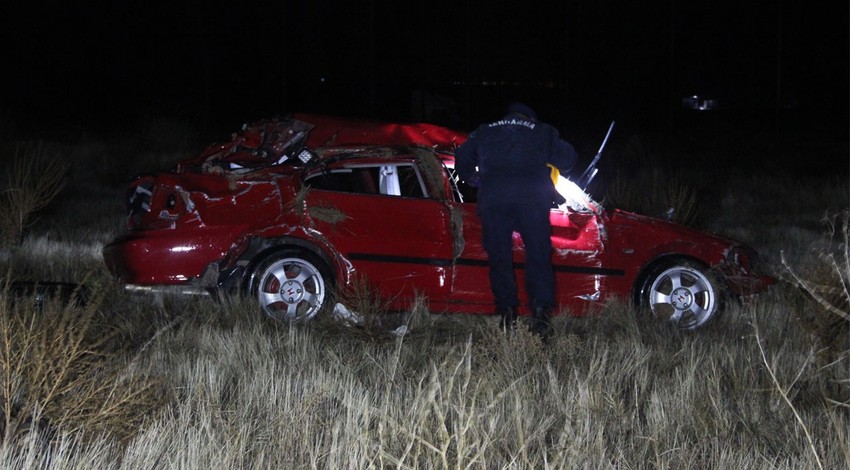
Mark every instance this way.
x=292 y=285
x=683 y=292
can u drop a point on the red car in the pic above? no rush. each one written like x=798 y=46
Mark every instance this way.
x=290 y=211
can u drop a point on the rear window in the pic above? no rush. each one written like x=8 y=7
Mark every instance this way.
x=348 y=180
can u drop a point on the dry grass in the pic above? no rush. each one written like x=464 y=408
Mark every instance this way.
x=615 y=390
x=823 y=306
x=62 y=373
x=672 y=197
x=310 y=214
x=829 y=285
x=433 y=171
x=654 y=179
x=327 y=214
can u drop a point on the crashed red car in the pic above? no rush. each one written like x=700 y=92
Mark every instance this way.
x=291 y=211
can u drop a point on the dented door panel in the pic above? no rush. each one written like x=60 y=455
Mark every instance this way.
x=401 y=245
x=578 y=251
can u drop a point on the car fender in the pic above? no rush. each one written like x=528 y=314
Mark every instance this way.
x=240 y=264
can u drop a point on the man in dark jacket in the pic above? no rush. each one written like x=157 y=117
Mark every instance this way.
x=507 y=160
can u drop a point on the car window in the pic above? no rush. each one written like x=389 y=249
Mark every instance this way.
x=348 y=180
x=390 y=180
x=409 y=183
x=463 y=191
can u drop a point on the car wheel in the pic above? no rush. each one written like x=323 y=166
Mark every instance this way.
x=683 y=292
x=292 y=285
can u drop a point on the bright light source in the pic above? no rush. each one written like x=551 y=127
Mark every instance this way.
x=576 y=198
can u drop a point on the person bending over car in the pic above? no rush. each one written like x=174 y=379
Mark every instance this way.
x=507 y=160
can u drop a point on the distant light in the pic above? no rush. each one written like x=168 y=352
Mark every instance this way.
x=699 y=103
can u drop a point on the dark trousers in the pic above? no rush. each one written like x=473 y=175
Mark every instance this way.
x=532 y=223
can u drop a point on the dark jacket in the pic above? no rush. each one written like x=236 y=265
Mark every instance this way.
x=511 y=156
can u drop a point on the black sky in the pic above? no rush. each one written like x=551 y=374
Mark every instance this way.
x=102 y=63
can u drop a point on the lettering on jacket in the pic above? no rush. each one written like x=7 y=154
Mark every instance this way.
x=513 y=122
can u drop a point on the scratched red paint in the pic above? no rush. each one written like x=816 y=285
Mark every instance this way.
x=381 y=206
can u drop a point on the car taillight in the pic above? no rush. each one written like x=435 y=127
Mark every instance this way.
x=155 y=206
x=138 y=202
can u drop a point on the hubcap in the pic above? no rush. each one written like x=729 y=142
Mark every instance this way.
x=681 y=299
x=292 y=292
x=684 y=295
x=291 y=289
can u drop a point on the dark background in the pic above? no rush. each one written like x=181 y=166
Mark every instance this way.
x=776 y=68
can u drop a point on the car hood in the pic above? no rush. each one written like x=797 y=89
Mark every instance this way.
x=643 y=231
x=737 y=262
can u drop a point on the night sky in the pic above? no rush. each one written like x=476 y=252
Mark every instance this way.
x=106 y=64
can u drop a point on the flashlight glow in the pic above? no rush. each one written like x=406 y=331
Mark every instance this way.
x=576 y=198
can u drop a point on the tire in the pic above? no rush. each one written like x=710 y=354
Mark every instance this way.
x=292 y=285
x=682 y=291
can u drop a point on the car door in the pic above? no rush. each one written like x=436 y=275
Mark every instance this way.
x=578 y=255
x=380 y=218
x=577 y=251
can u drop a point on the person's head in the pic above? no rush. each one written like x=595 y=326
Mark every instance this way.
x=523 y=110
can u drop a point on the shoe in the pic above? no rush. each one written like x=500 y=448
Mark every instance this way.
x=509 y=318
x=540 y=325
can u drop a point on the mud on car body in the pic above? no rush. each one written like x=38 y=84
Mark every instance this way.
x=291 y=211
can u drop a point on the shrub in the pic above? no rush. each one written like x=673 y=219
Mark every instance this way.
x=62 y=373
x=824 y=310
x=32 y=181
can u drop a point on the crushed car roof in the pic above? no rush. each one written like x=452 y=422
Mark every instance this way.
x=274 y=141
x=332 y=131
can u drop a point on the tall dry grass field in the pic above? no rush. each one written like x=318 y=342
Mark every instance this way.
x=135 y=382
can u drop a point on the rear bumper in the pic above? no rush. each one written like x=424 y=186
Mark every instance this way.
x=167 y=257
x=179 y=289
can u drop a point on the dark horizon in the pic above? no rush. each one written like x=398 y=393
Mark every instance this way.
x=452 y=63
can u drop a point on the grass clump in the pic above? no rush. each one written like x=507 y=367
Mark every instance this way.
x=63 y=373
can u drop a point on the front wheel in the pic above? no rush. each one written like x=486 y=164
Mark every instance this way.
x=683 y=292
x=292 y=285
